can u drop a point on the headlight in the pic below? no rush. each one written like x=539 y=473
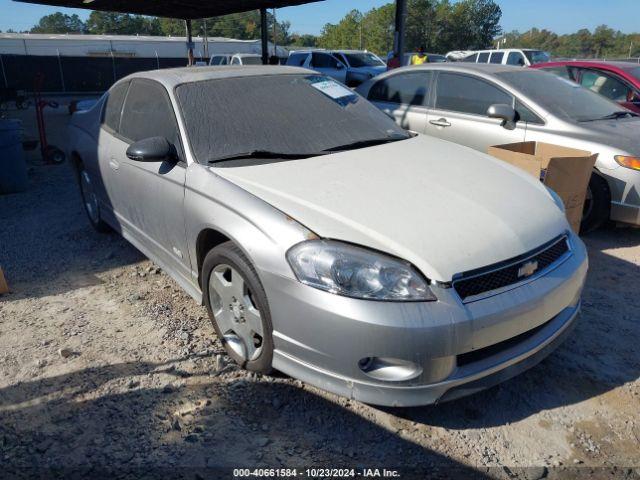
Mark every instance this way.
x=356 y=272
x=629 y=162
x=556 y=198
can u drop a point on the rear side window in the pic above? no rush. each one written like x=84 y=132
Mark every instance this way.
x=496 y=57
x=461 y=93
x=515 y=58
x=219 y=60
x=113 y=106
x=483 y=57
x=407 y=88
x=148 y=113
x=323 y=60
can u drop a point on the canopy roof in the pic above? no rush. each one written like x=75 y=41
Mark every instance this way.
x=185 y=9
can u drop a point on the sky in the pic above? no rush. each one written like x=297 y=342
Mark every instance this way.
x=560 y=16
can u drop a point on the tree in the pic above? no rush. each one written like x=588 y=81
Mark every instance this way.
x=438 y=25
x=306 y=40
x=102 y=23
x=59 y=23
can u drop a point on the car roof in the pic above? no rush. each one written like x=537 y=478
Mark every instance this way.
x=617 y=64
x=172 y=77
x=487 y=68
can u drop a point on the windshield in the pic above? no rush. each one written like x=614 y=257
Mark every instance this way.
x=561 y=97
x=537 y=56
x=363 y=60
x=292 y=115
x=635 y=72
x=251 y=60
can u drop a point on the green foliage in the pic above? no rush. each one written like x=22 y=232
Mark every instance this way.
x=604 y=42
x=438 y=25
x=59 y=23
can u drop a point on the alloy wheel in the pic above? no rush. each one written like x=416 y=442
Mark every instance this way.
x=235 y=312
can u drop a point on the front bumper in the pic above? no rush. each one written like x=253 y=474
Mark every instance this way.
x=320 y=337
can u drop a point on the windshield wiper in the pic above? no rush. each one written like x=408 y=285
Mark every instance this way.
x=265 y=154
x=364 y=143
x=614 y=116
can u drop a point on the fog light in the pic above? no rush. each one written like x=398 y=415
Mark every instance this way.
x=389 y=369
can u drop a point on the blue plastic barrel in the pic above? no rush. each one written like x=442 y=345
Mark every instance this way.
x=13 y=168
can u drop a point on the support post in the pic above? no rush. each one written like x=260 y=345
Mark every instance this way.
x=265 y=36
x=189 y=42
x=398 y=39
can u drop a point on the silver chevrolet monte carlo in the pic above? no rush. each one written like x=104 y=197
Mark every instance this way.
x=325 y=241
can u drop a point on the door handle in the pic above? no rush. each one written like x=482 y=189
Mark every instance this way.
x=441 y=122
x=113 y=163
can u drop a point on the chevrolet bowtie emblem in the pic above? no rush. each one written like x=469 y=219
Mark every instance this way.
x=527 y=269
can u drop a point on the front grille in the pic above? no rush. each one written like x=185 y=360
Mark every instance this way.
x=510 y=272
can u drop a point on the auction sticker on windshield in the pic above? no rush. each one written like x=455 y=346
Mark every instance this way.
x=334 y=90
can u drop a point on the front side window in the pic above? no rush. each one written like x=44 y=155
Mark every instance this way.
x=515 y=58
x=323 y=60
x=363 y=60
x=465 y=94
x=496 y=57
x=219 y=60
x=405 y=88
x=321 y=115
x=113 y=106
x=525 y=114
x=148 y=113
x=483 y=57
x=471 y=58
x=605 y=84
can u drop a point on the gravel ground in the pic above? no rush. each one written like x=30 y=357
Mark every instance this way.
x=106 y=365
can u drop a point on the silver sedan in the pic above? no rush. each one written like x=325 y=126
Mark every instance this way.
x=325 y=241
x=452 y=101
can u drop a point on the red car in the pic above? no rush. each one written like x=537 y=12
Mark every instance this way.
x=618 y=81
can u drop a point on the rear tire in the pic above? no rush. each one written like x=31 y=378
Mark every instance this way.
x=90 y=200
x=238 y=308
x=597 y=206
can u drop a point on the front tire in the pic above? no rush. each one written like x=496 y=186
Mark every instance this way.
x=238 y=308
x=597 y=205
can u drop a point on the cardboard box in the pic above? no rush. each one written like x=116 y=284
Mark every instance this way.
x=4 y=288
x=564 y=170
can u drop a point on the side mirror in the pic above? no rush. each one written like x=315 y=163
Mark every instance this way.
x=504 y=112
x=154 y=149
x=340 y=66
x=633 y=97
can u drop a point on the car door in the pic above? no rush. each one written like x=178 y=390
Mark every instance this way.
x=151 y=194
x=404 y=97
x=328 y=65
x=103 y=180
x=460 y=112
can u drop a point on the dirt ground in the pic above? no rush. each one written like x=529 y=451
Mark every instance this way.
x=106 y=364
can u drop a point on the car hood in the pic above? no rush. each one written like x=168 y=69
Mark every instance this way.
x=443 y=207
x=621 y=133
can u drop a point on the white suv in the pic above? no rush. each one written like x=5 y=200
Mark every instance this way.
x=523 y=57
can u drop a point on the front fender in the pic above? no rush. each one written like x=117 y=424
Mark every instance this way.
x=261 y=231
